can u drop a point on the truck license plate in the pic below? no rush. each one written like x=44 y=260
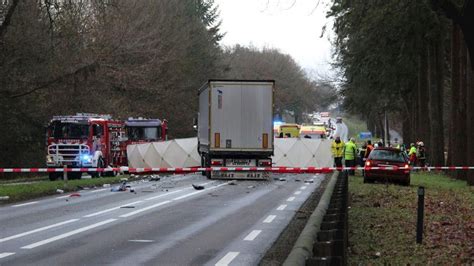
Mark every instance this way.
x=240 y=162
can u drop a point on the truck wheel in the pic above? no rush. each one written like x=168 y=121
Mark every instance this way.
x=100 y=164
x=203 y=164
x=75 y=175
x=54 y=176
x=208 y=164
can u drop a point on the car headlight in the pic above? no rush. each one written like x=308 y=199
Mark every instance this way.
x=86 y=158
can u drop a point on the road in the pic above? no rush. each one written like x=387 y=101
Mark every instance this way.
x=166 y=222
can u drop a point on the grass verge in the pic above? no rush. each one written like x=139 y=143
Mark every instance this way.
x=19 y=192
x=382 y=222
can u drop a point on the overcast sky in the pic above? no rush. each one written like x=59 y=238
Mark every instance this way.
x=292 y=26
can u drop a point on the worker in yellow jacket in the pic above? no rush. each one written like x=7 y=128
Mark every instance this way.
x=350 y=154
x=337 y=148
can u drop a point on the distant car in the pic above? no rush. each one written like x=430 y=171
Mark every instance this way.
x=387 y=157
x=338 y=120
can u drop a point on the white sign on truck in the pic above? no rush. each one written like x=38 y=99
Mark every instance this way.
x=235 y=126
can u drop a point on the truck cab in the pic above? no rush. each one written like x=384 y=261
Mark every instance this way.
x=84 y=141
x=143 y=130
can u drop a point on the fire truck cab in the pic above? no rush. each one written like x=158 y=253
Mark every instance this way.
x=142 y=130
x=85 y=141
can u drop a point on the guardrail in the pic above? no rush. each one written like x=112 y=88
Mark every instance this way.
x=324 y=239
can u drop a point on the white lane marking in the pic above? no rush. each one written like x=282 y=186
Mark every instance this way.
x=141 y=240
x=303 y=187
x=111 y=209
x=297 y=192
x=281 y=207
x=63 y=197
x=269 y=219
x=200 y=191
x=25 y=204
x=145 y=209
x=168 y=201
x=291 y=199
x=227 y=259
x=37 y=230
x=252 y=235
x=99 y=190
x=68 y=234
x=6 y=254
x=162 y=195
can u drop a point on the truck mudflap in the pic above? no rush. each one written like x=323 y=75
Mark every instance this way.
x=240 y=175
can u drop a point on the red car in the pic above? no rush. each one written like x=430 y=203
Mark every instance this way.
x=387 y=157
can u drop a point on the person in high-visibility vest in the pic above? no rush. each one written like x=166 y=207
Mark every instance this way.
x=350 y=154
x=337 y=148
x=412 y=154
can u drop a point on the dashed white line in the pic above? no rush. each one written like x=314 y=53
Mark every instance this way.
x=111 y=209
x=25 y=204
x=227 y=259
x=297 y=192
x=37 y=230
x=145 y=209
x=162 y=195
x=269 y=219
x=141 y=240
x=63 y=197
x=6 y=254
x=291 y=199
x=252 y=235
x=200 y=191
x=281 y=207
x=98 y=190
x=68 y=234
x=303 y=187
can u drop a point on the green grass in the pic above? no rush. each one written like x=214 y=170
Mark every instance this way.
x=19 y=192
x=382 y=218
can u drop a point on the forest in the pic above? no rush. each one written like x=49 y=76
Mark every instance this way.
x=128 y=59
x=413 y=61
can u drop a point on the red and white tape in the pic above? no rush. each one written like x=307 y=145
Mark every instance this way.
x=231 y=169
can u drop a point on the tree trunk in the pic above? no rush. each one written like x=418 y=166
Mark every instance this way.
x=461 y=130
x=422 y=119
x=470 y=122
x=436 y=145
x=453 y=156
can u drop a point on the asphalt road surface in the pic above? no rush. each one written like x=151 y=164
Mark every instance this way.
x=166 y=222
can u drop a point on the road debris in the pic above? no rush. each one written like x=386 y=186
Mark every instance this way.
x=60 y=191
x=106 y=185
x=309 y=181
x=233 y=182
x=74 y=195
x=251 y=186
x=297 y=180
x=122 y=187
x=198 y=187
x=127 y=207
x=155 y=178
x=282 y=179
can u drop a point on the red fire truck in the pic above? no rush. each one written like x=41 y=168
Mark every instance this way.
x=142 y=130
x=85 y=140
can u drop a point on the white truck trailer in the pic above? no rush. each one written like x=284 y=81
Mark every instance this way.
x=235 y=126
